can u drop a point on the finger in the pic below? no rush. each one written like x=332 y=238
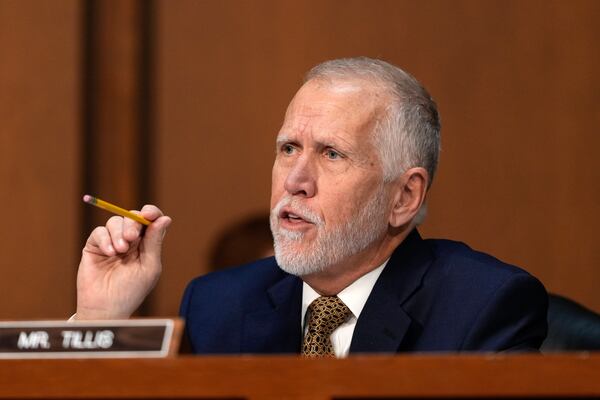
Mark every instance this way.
x=132 y=229
x=155 y=234
x=115 y=229
x=151 y=212
x=100 y=242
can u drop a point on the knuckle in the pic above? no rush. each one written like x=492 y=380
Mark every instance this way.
x=98 y=233
x=151 y=208
x=114 y=221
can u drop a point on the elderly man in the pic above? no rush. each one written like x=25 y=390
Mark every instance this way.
x=355 y=158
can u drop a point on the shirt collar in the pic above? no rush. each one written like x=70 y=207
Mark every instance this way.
x=354 y=296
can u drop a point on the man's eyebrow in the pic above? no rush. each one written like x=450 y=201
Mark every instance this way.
x=337 y=142
x=282 y=138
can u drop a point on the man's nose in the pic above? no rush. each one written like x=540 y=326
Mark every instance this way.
x=301 y=179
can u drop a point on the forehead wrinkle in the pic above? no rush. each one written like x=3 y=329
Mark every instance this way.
x=292 y=132
x=326 y=119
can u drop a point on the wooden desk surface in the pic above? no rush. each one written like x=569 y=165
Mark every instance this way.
x=288 y=377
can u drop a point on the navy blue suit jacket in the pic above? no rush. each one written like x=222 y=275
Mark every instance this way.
x=433 y=295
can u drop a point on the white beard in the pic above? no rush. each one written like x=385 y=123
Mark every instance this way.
x=329 y=247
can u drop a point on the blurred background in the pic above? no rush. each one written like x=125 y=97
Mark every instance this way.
x=178 y=103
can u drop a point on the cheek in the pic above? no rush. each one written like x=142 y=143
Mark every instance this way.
x=347 y=199
x=277 y=183
x=275 y=197
x=339 y=201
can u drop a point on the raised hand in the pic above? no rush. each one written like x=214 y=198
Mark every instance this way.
x=120 y=264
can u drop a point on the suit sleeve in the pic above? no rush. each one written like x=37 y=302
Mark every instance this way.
x=186 y=342
x=185 y=300
x=514 y=318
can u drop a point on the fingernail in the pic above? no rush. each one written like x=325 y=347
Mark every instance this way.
x=122 y=242
x=111 y=249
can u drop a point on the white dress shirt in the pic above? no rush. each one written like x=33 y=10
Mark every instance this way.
x=354 y=297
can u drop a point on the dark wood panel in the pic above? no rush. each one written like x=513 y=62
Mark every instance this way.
x=39 y=157
x=116 y=132
x=117 y=125
x=516 y=86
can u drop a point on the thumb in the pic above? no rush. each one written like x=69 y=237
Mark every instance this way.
x=154 y=235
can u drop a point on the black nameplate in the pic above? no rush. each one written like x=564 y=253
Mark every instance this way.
x=87 y=339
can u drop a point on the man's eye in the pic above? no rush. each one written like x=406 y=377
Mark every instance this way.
x=332 y=154
x=287 y=149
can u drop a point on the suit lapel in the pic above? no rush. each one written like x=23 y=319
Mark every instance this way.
x=386 y=317
x=275 y=326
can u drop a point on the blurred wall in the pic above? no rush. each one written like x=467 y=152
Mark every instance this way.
x=39 y=157
x=516 y=83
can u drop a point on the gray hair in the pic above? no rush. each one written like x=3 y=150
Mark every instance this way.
x=409 y=133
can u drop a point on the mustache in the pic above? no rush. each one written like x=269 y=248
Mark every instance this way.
x=296 y=207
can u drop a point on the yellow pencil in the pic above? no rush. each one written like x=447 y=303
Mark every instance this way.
x=114 y=209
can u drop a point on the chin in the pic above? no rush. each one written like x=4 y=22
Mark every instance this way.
x=299 y=270
x=298 y=260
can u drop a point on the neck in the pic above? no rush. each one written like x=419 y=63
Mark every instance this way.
x=337 y=277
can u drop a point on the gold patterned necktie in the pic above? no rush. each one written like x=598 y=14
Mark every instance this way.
x=326 y=314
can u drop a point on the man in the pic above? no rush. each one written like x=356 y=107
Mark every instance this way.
x=355 y=158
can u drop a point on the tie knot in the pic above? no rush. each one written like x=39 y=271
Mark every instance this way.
x=326 y=314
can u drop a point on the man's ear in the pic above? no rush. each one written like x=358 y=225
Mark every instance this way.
x=409 y=194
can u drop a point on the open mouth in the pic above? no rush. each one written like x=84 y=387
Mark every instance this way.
x=292 y=217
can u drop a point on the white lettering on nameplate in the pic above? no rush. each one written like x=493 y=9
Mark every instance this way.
x=34 y=340
x=87 y=339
